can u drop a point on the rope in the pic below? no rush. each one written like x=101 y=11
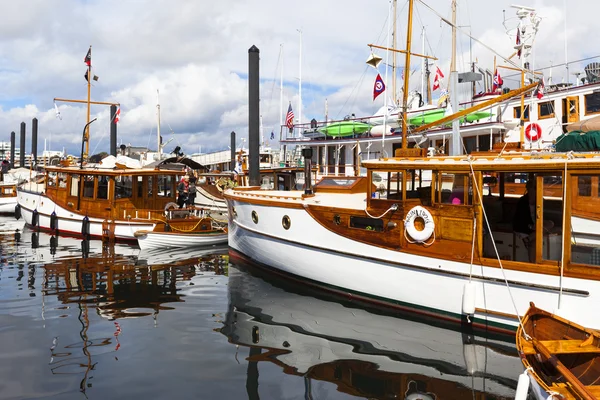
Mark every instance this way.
x=487 y=223
x=416 y=241
x=394 y=207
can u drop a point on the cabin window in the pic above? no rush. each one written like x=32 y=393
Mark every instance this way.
x=62 y=180
x=88 y=186
x=418 y=185
x=150 y=189
x=584 y=185
x=546 y=109
x=585 y=204
x=51 y=179
x=517 y=113
x=454 y=189
x=75 y=185
x=592 y=103
x=165 y=186
x=102 y=188
x=369 y=224
x=552 y=217
x=140 y=186
x=123 y=187
x=387 y=185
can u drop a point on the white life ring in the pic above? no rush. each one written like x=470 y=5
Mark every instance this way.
x=409 y=224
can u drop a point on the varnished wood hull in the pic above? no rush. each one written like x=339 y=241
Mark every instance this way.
x=70 y=222
x=560 y=356
x=312 y=253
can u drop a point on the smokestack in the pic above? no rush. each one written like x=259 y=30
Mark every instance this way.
x=233 y=160
x=22 y=147
x=113 y=131
x=12 y=149
x=254 y=115
x=34 y=132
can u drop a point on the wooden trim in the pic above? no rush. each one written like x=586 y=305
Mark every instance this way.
x=539 y=107
x=263 y=201
x=245 y=188
x=496 y=313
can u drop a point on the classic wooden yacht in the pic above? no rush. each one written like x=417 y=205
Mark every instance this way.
x=111 y=203
x=561 y=358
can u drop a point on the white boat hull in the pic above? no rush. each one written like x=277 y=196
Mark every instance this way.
x=320 y=257
x=7 y=205
x=163 y=240
x=70 y=222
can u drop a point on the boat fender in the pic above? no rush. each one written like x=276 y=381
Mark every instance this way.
x=522 y=386
x=468 y=300
x=35 y=218
x=536 y=134
x=85 y=226
x=18 y=211
x=470 y=354
x=409 y=224
x=53 y=221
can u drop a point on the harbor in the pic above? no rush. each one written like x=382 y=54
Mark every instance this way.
x=417 y=221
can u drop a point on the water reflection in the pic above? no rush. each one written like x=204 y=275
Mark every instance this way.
x=364 y=352
x=96 y=285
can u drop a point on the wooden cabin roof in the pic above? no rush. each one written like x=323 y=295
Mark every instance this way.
x=506 y=162
x=95 y=170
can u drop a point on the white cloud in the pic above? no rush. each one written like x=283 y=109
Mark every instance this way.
x=196 y=54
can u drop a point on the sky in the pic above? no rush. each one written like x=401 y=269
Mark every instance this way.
x=191 y=57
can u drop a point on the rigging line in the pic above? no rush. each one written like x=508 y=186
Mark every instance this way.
x=475 y=39
x=270 y=103
x=555 y=65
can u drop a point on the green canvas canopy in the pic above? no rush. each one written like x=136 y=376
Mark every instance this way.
x=578 y=141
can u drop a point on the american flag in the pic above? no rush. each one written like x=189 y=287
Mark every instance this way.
x=289 y=118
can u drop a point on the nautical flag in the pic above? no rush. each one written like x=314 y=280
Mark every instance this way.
x=539 y=92
x=436 y=79
x=497 y=81
x=289 y=118
x=519 y=42
x=117 y=115
x=57 y=112
x=379 y=87
x=88 y=57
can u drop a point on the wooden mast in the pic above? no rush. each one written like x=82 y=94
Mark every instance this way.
x=394 y=44
x=89 y=92
x=406 y=74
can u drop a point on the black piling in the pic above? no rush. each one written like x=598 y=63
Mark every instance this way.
x=254 y=115
x=12 y=149
x=22 y=147
x=307 y=153
x=113 y=131
x=34 y=142
x=233 y=160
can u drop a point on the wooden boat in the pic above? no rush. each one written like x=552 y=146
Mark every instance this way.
x=8 y=198
x=561 y=357
x=110 y=203
x=345 y=128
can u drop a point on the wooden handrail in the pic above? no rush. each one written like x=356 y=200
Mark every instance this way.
x=560 y=367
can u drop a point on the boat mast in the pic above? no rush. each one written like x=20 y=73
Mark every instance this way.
x=89 y=93
x=159 y=149
x=300 y=84
x=455 y=143
x=406 y=70
x=423 y=62
x=394 y=45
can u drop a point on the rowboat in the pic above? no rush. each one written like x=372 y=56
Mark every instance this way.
x=345 y=128
x=431 y=116
x=561 y=358
x=168 y=240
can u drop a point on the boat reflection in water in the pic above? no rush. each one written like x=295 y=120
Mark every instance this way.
x=363 y=351
x=107 y=282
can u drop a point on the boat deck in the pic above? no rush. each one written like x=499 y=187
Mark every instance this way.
x=355 y=201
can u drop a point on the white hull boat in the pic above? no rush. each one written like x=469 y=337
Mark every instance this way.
x=161 y=240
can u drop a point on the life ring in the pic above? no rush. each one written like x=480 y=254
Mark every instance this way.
x=536 y=134
x=409 y=224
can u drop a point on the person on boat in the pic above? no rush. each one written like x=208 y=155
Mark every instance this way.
x=524 y=218
x=5 y=168
x=183 y=191
x=191 y=192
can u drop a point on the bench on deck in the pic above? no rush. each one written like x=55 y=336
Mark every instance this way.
x=562 y=347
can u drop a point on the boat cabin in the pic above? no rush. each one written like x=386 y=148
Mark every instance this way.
x=112 y=193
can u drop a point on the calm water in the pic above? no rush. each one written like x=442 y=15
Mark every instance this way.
x=79 y=320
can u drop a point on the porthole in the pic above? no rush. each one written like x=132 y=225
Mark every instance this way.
x=337 y=219
x=255 y=217
x=286 y=222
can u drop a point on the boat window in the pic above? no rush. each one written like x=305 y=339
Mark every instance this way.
x=418 y=185
x=454 y=189
x=123 y=187
x=74 y=185
x=517 y=113
x=552 y=217
x=584 y=185
x=592 y=103
x=585 y=246
x=369 y=224
x=546 y=109
x=88 y=186
x=387 y=185
x=102 y=188
x=149 y=185
x=331 y=181
x=62 y=180
x=165 y=186
x=140 y=186
x=51 y=179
